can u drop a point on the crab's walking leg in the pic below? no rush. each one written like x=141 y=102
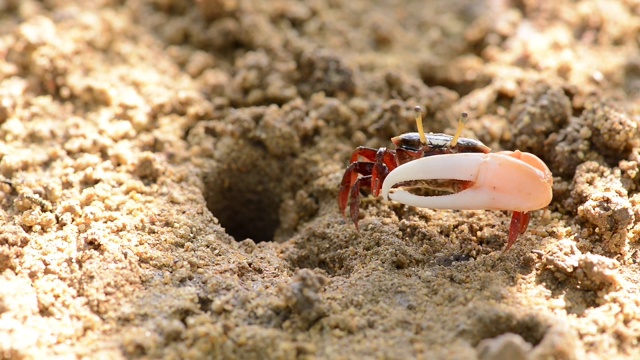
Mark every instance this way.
x=363 y=152
x=380 y=163
x=384 y=164
x=382 y=155
x=354 y=198
x=350 y=179
x=519 y=224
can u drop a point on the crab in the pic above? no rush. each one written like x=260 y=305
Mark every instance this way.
x=472 y=177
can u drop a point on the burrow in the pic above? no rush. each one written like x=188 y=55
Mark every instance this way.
x=258 y=179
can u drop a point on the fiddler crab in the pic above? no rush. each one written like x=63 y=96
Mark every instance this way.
x=472 y=177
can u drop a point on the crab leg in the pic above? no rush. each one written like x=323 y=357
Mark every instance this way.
x=349 y=180
x=519 y=224
x=354 y=198
x=373 y=172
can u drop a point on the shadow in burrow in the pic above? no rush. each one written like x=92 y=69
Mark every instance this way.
x=258 y=178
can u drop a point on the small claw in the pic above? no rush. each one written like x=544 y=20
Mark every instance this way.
x=513 y=181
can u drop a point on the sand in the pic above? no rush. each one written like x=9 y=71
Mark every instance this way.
x=170 y=171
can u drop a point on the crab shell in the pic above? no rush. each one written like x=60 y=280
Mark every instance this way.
x=507 y=180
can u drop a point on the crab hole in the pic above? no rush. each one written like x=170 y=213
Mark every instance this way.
x=244 y=191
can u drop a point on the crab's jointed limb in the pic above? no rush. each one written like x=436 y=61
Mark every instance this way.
x=515 y=181
x=379 y=163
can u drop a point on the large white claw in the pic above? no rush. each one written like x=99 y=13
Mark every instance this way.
x=507 y=180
